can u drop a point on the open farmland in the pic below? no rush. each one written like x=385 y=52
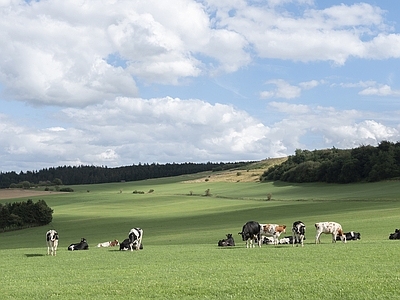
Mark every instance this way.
x=181 y=229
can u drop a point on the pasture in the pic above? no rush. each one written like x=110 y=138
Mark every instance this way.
x=182 y=226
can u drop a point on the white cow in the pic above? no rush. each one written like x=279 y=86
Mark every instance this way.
x=52 y=242
x=135 y=238
x=329 y=228
x=108 y=244
x=271 y=230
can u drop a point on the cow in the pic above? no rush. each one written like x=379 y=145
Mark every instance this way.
x=298 y=233
x=229 y=241
x=52 y=242
x=250 y=233
x=125 y=245
x=329 y=228
x=108 y=244
x=395 y=235
x=352 y=235
x=82 y=245
x=272 y=230
x=135 y=237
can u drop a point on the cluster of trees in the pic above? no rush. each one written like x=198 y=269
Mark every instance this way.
x=365 y=163
x=91 y=174
x=24 y=214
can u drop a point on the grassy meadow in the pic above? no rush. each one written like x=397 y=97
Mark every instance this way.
x=182 y=226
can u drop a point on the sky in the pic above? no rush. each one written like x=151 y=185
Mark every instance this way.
x=116 y=83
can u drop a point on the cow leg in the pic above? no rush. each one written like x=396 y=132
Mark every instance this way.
x=334 y=237
x=317 y=240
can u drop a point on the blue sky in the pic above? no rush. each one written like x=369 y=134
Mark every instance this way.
x=115 y=83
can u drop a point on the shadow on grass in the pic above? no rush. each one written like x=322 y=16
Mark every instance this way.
x=34 y=255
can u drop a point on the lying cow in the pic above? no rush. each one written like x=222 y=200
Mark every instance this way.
x=227 y=242
x=298 y=233
x=333 y=228
x=52 y=242
x=108 y=244
x=351 y=236
x=395 y=235
x=83 y=245
x=125 y=245
x=250 y=233
x=271 y=230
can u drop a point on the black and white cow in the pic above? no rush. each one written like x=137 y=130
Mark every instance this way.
x=135 y=237
x=125 y=245
x=298 y=233
x=229 y=241
x=83 y=245
x=52 y=242
x=395 y=235
x=352 y=235
x=251 y=233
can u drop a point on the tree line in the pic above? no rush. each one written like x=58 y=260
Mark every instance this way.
x=23 y=214
x=69 y=175
x=364 y=163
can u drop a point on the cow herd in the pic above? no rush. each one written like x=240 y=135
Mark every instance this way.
x=133 y=242
x=255 y=233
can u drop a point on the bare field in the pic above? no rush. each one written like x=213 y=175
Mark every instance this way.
x=22 y=193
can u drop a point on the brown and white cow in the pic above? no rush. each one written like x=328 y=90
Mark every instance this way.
x=329 y=228
x=108 y=244
x=271 y=230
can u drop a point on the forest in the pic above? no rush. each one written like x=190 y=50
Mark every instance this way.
x=72 y=175
x=23 y=214
x=364 y=163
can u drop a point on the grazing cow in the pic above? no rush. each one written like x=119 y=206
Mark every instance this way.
x=135 y=238
x=125 y=245
x=352 y=235
x=271 y=230
x=250 y=233
x=108 y=244
x=82 y=245
x=329 y=228
x=52 y=242
x=298 y=233
x=227 y=242
x=395 y=235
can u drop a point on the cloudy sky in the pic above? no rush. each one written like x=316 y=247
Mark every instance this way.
x=115 y=83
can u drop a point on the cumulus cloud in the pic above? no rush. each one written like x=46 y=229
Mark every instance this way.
x=287 y=91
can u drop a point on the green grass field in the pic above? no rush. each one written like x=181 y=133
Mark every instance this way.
x=181 y=259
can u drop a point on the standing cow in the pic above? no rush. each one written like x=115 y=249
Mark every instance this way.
x=271 y=230
x=135 y=238
x=52 y=242
x=298 y=233
x=250 y=233
x=329 y=228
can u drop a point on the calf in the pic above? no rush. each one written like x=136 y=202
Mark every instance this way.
x=135 y=238
x=125 y=245
x=272 y=230
x=227 y=242
x=82 y=245
x=108 y=244
x=52 y=242
x=350 y=236
x=298 y=233
x=395 y=235
x=329 y=228
x=250 y=233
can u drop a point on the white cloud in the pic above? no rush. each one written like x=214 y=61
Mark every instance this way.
x=383 y=90
x=287 y=91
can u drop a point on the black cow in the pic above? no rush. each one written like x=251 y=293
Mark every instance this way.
x=126 y=245
x=298 y=233
x=227 y=242
x=352 y=235
x=251 y=233
x=395 y=235
x=83 y=245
